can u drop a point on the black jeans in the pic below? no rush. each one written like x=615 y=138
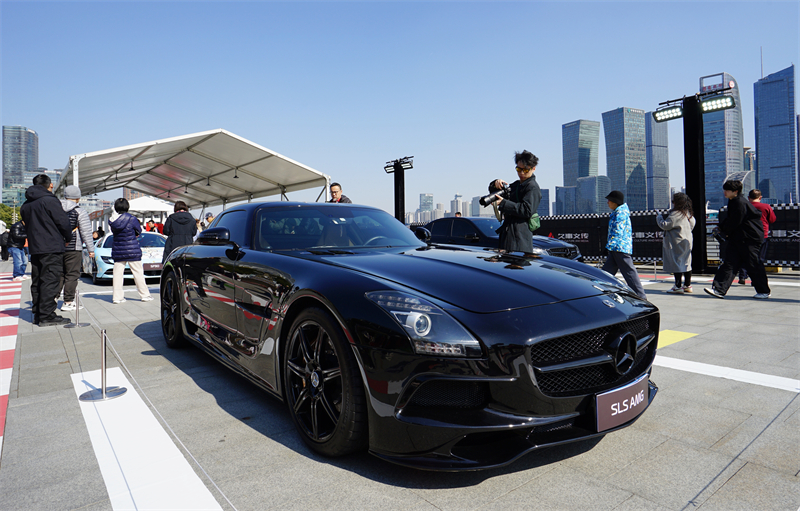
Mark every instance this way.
x=72 y=272
x=46 y=272
x=741 y=255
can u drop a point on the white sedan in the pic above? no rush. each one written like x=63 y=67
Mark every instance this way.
x=101 y=267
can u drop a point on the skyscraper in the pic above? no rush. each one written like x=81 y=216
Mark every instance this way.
x=565 y=200
x=544 y=205
x=590 y=194
x=776 y=135
x=723 y=140
x=626 y=157
x=426 y=202
x=580 y=142
x=657 y=152
x=20 y=154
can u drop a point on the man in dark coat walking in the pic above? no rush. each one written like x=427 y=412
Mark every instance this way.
x=48 y=231
x=180 y=229
x=744 y=235
x=519 y=205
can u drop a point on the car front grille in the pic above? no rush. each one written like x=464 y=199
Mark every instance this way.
x=583 y=345
x=567 y=252
x=450 y=394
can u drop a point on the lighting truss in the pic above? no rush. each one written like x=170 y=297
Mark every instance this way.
x=668 y=113
x=717 y=103
x=406 y=163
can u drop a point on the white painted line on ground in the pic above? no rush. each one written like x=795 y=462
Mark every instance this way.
x=141 y=466
x=151 y=289
x=765 y=380
x=8 y=342
x=5 y=382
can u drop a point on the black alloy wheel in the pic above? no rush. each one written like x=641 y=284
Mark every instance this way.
x=323 y=386
x=171 y=324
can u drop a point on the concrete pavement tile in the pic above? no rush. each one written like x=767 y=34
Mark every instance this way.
x=777 y=448
x=676 y=475
x=664 y=377
x=76 y=487
x=695 y=424
x=44 y=379
x=39 y=417
x=637 y=503
x=616 y=451
x=787 y=371
x=755 y=487
x=757 y=400
x=562 y=488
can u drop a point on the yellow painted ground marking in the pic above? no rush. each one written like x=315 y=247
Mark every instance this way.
x=667 y=337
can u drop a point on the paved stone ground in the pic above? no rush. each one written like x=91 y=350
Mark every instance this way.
x=706 y=442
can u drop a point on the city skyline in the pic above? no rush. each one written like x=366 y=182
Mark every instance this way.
x=460 y=88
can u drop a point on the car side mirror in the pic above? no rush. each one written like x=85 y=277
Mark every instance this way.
x=423 y=234
x=216 y=236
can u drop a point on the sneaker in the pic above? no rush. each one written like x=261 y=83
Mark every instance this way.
x=54 y=321
x=68 y=306
x=18 y=279
x=687 y=289
x=713 y=292
x=675 y=290
x=148 y=298
x=742 y=281
x=762 y=296
x=26 y=277
x=117 y=302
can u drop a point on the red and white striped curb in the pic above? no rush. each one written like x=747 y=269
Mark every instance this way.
x=10 y=296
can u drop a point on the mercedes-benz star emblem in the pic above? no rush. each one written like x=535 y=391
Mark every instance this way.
x=623 y=350
x=608 y=303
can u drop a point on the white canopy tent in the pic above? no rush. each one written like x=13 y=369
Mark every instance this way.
x=202 y=169
x=143 y=208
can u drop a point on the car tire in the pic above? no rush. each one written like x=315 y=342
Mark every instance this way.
x=171 y=322
x=323 y=386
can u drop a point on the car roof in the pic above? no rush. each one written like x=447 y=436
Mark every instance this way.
x=251 y=206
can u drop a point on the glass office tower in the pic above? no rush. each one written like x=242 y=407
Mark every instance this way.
x=591 y=193
x=544 y=205
x=723 y=140
x=565 y=200
x=656 y=143
x=626 y=158
x=426 y=202
x=580 y=142
x=776 y=136
x=20 y=154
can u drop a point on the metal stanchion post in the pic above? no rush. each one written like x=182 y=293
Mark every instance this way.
x=77 y=323
x=103 y=393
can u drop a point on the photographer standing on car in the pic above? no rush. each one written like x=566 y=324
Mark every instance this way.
x=518 y=205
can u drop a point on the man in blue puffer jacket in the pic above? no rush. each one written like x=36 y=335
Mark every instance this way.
x=620 y=243
x=125 y=249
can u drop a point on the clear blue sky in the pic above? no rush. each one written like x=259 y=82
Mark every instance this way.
x=345 y=86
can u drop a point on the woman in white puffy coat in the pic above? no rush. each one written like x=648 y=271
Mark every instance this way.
x=677 y=248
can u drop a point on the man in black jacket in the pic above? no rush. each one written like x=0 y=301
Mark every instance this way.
x=520 y=204
x=744 y=235
x=48 y=230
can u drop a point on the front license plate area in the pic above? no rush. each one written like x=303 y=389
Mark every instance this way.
x=152 y=266
x=619 y=406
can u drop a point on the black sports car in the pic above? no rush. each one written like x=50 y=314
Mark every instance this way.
x=480 y=232
x=444 y=358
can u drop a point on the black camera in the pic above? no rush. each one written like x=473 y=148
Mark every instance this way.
x=494 y=197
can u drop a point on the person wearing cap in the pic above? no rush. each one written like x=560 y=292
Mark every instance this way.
x=48 y=230
x=620 y=243
x=209 y=218
x=337 y=196
x=73 y=251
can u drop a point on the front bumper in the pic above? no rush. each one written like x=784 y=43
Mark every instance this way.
x=462 y=414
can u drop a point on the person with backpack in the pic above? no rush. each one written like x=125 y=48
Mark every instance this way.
x=16 y=247
x=744 y=235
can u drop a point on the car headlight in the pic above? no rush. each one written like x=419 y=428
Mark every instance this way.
x=432 y=330
x=107 y=259
x=540 y=251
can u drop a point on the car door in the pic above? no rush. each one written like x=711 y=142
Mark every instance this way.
x=211 y=282
x=464 y=233
x=440 y=230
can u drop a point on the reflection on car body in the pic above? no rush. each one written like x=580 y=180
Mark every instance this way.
x=436 y=357
x=481 y=232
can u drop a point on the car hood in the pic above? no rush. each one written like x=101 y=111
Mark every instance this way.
x=480 y=281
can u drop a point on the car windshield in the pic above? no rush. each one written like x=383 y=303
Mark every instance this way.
x=302 y=228
x=487 y=226
x=145 y=240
